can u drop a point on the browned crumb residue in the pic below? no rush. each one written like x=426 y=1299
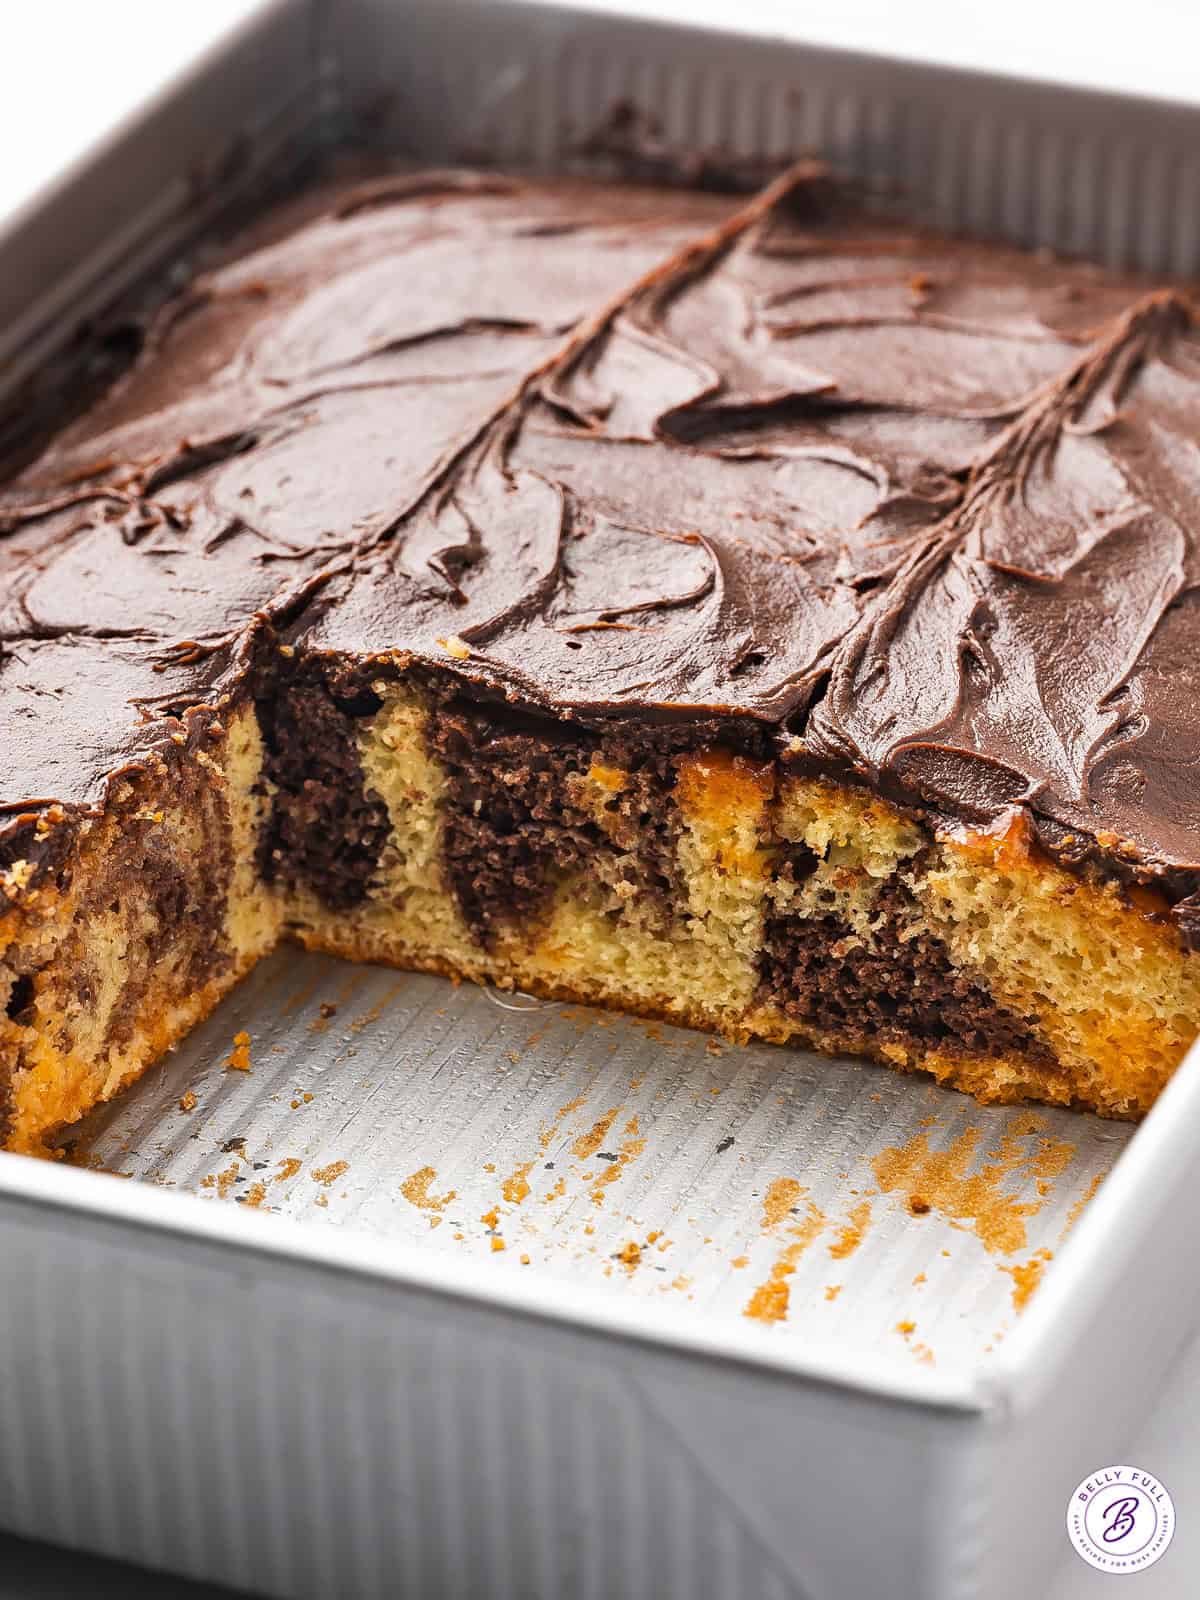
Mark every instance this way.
x=630 y=1254
x=851 y=1235
x=782 y=1195
x=326 y=1011
x=1081 y=1205
x=630 y=1150
x=239 y=1056
x=288 y=1168
x=588 y=1143
x=942 y=1179
x=524 y=1261
x=769 y=1302
x=188 y=1101
x=919 y=1279
x=1026 y=1275
x=906 y=1328
x=255 y=1195
x=415 y=1190
x=330 y=1174
x=546 y=1136
x=832 y=1290
x=515 y=1187
x=491 y=1218
x=740 y=1261
x=373 y=1013
x=222 y=1182
x=498 y=1242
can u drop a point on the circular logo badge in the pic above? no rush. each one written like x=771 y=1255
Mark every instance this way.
x=1120 y=1519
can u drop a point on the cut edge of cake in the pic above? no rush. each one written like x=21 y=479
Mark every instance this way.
x=717 y=891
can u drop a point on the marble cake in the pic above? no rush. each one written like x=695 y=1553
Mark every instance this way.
x=756 y=613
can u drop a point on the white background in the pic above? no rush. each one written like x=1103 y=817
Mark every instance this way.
x=74 y=69
x=75 y=66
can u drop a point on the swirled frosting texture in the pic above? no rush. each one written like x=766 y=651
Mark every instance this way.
x=918 y=511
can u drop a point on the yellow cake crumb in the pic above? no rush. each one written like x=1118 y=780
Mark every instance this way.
x=239 y=1056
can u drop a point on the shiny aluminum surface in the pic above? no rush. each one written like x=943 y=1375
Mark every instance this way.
x=825 y=1198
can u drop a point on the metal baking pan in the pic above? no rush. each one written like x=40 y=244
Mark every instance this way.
x=457 y=1293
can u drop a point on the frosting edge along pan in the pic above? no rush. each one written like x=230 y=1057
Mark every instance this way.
x=332 y=1421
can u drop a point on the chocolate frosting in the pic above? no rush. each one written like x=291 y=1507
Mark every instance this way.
x=917 y=510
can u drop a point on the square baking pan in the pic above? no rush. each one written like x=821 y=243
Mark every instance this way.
x=456 y=1292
